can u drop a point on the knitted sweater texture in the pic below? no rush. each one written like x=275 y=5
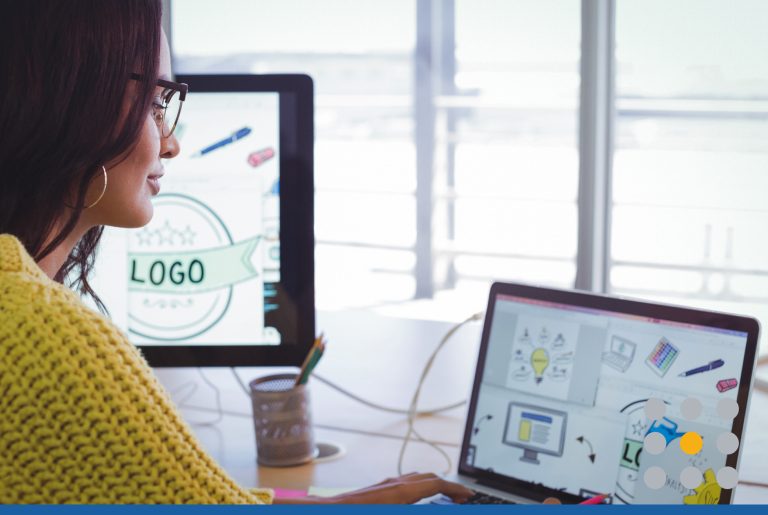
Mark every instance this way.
x=82 y=417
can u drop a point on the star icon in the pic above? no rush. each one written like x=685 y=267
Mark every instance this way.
x=187 y=236
x=638 y=428
x=166 y=233
x=144 y=237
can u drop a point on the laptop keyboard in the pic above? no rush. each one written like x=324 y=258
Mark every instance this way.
x=478 y=498
x=481 y=498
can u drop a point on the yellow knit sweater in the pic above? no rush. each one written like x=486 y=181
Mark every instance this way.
x=82 y=417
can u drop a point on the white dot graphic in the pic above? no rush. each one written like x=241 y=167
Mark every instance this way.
x=655 y=408
x=727 y=443
x=654 y=443
x=727 y=409
x=691 y=477
x=691 y=408
x=727 y=477
x=655 y=477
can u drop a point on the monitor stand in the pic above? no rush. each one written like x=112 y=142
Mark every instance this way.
x=530 y=456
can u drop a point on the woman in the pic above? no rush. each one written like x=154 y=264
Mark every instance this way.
x=83 y=129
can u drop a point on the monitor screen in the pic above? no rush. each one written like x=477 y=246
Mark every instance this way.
x=589 y=401
x=222 y=274
x=535 y=429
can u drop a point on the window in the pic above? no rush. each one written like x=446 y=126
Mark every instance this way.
x=508 y=178
x=360 y=55
x=448 y=141
x=500 y=111
x=690 y=169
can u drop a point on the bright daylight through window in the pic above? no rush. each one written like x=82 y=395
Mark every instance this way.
x=447 y=142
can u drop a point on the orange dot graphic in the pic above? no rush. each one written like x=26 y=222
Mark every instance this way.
x=691 y=442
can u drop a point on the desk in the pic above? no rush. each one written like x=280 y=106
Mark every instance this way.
x=380 y=358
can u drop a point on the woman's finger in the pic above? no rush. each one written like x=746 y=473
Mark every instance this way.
x=406 y=489
x=416 y=490
x=455 y=491
x=415 y=476
x=391 y=480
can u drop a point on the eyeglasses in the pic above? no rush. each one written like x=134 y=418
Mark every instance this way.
x=166 y=112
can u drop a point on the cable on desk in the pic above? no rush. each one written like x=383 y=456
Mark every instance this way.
x=192 y=389
x=371 y=404
x=216 y=392
x=412 y=412
x=758 y=484
x=322 y=426
x=374 y=405
x=413 y=409
x=240 y=382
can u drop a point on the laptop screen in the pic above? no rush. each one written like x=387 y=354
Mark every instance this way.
x=588 y=401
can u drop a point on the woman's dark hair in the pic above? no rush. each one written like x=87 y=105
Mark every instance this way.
x=65 y=68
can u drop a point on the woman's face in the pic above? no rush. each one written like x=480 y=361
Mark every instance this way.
x=133 y=181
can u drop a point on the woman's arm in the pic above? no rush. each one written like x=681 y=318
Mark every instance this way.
x=406 y=489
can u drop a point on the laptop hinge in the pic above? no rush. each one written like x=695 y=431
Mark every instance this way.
x=496 y=485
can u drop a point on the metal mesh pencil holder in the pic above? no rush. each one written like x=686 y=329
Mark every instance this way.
x=281 y=418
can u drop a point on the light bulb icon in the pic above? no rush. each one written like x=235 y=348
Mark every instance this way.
x=539 y=362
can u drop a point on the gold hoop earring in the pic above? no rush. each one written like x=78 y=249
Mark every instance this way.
x=104 y=170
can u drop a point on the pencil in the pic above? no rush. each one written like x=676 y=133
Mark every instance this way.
x=304 y=377
x=307 y=360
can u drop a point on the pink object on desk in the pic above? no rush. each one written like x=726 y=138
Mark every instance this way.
x=598 y=499
x=726 y=384
x=285 y=493
x=260 y=156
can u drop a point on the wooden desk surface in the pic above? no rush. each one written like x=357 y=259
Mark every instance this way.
x=380 y=359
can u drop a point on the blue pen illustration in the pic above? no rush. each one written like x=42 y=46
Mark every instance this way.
x=704 y=368
x=240 y=134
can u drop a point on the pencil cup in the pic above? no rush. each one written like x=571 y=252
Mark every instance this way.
x=282 y=421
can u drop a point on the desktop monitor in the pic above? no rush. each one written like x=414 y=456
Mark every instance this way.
x=535 y=430
x=223 y=275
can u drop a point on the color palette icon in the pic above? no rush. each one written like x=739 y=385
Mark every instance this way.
x=662 y=356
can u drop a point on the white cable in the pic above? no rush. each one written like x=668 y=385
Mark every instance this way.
x=343 y=391
x=216 y=392
x=374 y=405
x=417 y=393
x=367 y=403
x=192 y=389
x=412 y=412
x=240 y=382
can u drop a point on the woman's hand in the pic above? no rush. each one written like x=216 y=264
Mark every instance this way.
x=406 y=489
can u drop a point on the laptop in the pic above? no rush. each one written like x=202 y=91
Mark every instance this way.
x=621 y=354
x=577 y=394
